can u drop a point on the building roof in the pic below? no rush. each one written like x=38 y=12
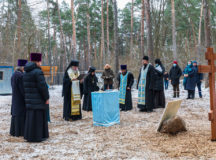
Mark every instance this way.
x=6 y=66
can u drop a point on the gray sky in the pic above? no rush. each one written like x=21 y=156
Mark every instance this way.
x=121 y=3
x=38 y=5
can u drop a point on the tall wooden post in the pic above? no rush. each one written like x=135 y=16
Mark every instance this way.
x=211 y=69
x=212 y=114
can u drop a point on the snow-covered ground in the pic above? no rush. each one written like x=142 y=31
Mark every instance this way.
x=134 y=138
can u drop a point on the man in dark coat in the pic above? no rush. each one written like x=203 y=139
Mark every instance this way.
x=18 y=110
x=108 y=77
x=36 y=99
x=89 y=85
x=125 y=83
x=159 y=97
x=191 y=82
x=199 y=78
x=175 y=74
x=145 y=86
x=71 y=92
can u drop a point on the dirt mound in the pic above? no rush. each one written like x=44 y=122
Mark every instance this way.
x=173 y=125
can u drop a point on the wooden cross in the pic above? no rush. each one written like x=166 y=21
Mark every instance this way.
x=211 y=69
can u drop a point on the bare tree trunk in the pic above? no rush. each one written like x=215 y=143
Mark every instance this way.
x=95 y=54
x=200 y=24
x=19 y=17
x=89 y=37
x=157 y=30
x=174 y=30
x=102 y=56
x=149 y=31
x=207 y=26
x=116 y=36
x=199 y=35
x=14 y=48
x=142 y=28
x=62 y=41
x=49 y=47
x=85 y=55
x=208 y=41
x=55 y=58
x=131 y=36
x=2 y=12
x=108 y=42
x=74 y=30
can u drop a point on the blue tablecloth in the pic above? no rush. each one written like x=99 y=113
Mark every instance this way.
x=105 y=107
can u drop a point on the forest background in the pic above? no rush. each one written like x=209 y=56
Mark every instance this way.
x=97 y=32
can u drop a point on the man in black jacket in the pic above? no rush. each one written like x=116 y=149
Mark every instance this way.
x=175 y=74
x=18 y=109
x=36 y=99
x=199 y=79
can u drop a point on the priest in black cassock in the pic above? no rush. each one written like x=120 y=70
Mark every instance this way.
x=36 y=99
x=18 y=110
x=71 y=92
x=145 y=86
x=125 y=83
x=89 y=85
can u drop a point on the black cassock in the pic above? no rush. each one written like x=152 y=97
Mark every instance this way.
x=66 y=93
x=89 y=85
x=149 y=90
x=128 y=98
x=18 y=110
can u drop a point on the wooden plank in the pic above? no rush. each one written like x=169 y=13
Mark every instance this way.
x=205 y=69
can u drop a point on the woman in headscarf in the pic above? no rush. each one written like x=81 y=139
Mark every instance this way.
x=191 y=80
x=187 y=69
x=71 y=92
x=90 y=85
x=159 y=97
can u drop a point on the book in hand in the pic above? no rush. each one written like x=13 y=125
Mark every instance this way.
x=81 y=76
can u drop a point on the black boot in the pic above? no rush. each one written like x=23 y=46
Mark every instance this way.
x=192 y=94
x=174 y=96
x=188 y=95
x=178 y=94
x=200 y=94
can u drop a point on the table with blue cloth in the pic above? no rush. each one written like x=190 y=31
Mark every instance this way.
x=105 y=107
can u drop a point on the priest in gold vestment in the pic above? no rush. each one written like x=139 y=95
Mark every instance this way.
x=71 y=92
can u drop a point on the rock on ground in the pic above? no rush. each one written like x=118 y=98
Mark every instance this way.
x=173 y=125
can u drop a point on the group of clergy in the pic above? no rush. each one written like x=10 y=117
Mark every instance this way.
x=150 y=88
x=30 y=95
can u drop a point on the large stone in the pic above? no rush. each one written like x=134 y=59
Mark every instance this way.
x=173 y=125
